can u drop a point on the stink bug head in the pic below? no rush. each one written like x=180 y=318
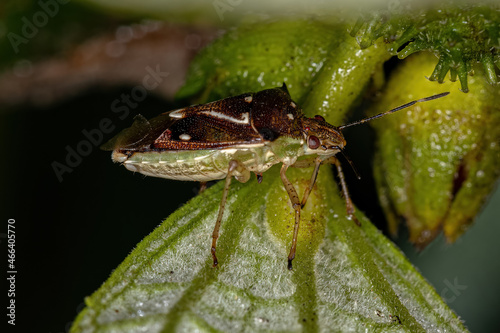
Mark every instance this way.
x=321 y=138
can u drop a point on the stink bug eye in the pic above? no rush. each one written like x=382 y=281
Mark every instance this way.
x=211 y=135
x=313 y=142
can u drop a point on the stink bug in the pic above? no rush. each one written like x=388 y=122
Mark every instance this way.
x=233 y=137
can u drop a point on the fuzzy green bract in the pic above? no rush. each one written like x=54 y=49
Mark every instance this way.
x=345 y=277
x=459 y=34
x=437 y=164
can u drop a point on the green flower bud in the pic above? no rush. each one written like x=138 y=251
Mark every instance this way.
x=437 y=162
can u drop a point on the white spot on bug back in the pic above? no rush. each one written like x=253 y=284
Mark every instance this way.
x=245 y=119
x=177 y=114
x=248 y=99
x=293 y=105
x=185 y=137
x=290 y=116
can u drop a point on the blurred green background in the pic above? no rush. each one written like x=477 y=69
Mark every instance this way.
x=66 y=77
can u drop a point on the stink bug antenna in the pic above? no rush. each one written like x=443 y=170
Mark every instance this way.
x=351 y=164
x=362 y=121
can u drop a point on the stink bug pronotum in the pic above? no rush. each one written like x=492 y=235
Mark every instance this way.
x=233 y=137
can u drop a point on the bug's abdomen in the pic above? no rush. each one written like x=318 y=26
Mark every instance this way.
x=200 y=165
x=194 y=166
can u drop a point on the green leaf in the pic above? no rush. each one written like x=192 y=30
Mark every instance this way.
x=345 y=277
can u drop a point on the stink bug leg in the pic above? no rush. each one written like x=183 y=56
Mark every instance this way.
x=294 y=198
x=234 y=167
x=345 y=192
x=292 y=193
x=203 y=187
x=348 y=202
x=314 y=176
